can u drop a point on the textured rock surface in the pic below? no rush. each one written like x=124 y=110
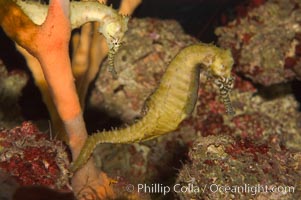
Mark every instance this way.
x=266 y=42
x=32 y=159
x=259 y=145
x=224 y=161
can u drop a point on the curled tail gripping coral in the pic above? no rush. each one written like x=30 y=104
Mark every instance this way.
x=174 y=100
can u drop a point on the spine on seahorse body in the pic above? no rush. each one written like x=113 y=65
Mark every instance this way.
x=172 y=102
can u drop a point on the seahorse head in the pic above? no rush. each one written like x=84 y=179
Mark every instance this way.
x=114 y=31
x=222 y=63
x=221 y=68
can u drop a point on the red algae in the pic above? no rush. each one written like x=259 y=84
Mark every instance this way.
x=265 y=41
x=32 y=158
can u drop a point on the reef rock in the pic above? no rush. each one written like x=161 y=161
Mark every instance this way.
x=31 y=158
x=266 y=42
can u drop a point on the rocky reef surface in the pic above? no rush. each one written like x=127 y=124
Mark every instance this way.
x=266 y=42
x=32 y=158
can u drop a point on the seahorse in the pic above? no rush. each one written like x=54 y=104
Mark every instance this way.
x=112 y=25
x=174 y=99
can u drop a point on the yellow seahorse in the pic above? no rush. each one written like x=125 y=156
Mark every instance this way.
x=174 y=99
